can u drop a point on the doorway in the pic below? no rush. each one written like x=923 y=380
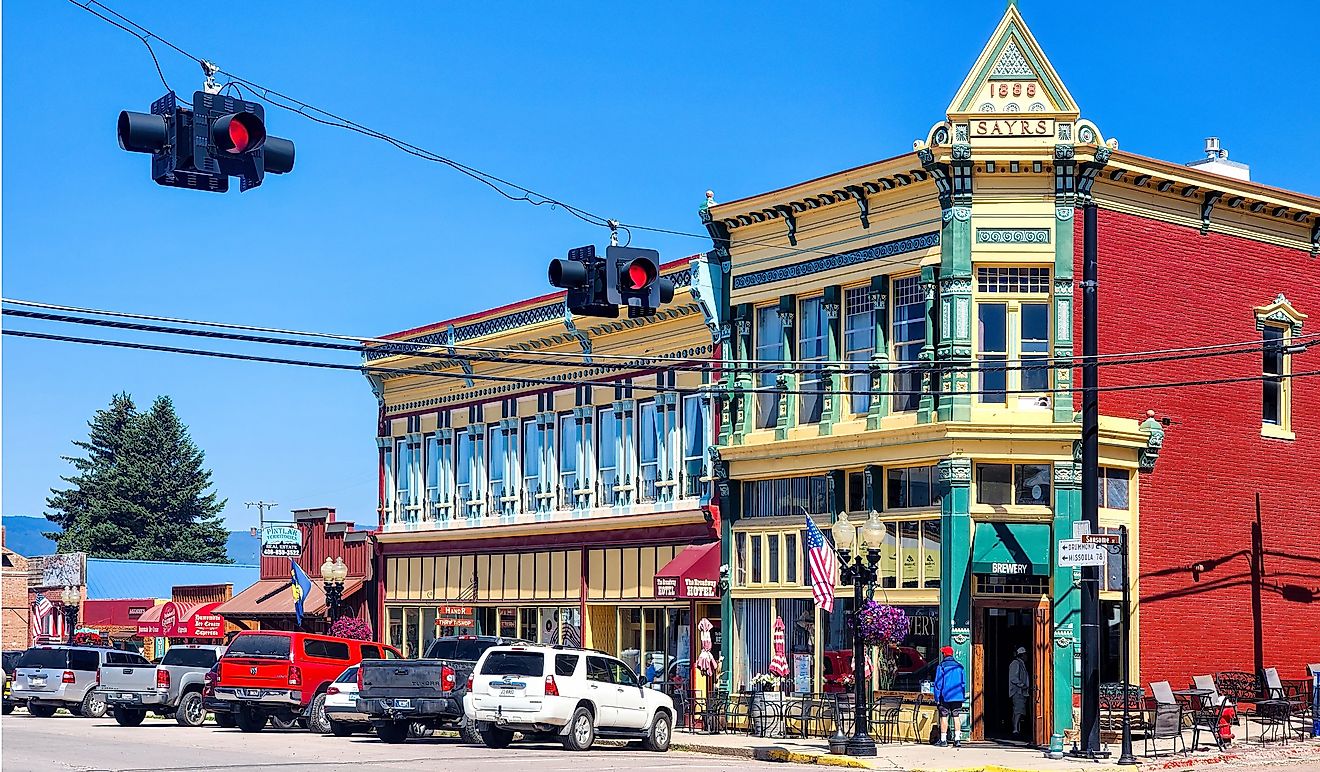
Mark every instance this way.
x=1000 y=628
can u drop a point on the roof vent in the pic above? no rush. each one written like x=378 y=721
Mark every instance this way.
x=1216 y=162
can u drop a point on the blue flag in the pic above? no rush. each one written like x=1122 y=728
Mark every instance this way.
x=301 y=587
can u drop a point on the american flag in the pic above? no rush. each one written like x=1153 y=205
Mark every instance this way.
x=820 y=556
x=41 y=612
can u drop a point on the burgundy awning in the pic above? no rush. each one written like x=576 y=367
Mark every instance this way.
x=693 y=574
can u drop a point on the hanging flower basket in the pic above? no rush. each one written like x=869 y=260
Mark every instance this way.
x=878 y=624
x=351 y=627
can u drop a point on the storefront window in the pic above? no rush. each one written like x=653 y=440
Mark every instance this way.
x=394 y=627
x=909 y=554
x=429 y=630
x=411 y=632
x=931 y=555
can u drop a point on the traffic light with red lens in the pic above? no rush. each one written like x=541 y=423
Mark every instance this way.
x=632 y=279
x=583 y=275
x=201 y=148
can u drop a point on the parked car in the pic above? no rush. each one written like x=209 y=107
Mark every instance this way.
x=573 y=695
x=172 y=688
x=52 y=677
x=342 y=716
x=428 y=692
x=282 y=677
x=10 y=661
x=220 y=710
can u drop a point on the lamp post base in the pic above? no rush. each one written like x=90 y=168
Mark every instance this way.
x=861 y=745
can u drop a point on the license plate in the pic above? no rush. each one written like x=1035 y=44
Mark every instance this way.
x=36 y=682
x=403 y=704
x=252 y=693
x=128 y=697
x=506 y=692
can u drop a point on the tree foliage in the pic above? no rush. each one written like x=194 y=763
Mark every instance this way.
x=141 y=491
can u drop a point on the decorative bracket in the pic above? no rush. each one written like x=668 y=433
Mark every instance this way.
x=863 y=203
x=451 y=340
x=1154 y=431
x=1211 y=198
x=583 y=339
x=1315 y=236
x=940 y=174
x=790 y=222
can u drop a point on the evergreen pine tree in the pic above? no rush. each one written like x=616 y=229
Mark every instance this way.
x=141 y=491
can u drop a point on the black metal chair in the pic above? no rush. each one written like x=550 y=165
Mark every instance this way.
x=713 y=712
x=737 y=713
x=916 y=707
x=1167 y=725
x=1208 y=718
x=884 y=717
x=842 y=713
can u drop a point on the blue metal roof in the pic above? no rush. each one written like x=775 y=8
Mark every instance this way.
x=108 y=579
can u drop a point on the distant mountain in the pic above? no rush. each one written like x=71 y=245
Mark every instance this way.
x=23 y=535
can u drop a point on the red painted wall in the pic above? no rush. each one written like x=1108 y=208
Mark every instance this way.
x=1166 y=286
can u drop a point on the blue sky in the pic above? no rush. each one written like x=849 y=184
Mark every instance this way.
x=630 y=110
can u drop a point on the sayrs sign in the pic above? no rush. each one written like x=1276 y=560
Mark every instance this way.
x=1013 y=127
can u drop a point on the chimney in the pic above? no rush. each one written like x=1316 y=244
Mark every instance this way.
x=1216 y=162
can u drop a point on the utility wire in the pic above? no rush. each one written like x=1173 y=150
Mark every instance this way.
x=563 y=383
x=741 y=365
x=498 y=184
x=853 y=368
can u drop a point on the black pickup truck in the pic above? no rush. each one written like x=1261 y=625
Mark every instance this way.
x=397 y=693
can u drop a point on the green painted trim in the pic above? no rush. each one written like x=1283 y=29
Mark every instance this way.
x=983 y=77
x=1066 y=597
x=832 y=410
x=954 y=476
x=880 y=376
x=726 y=601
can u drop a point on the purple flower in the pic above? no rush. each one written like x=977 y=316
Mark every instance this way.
x=881 y=625
x=351 y=627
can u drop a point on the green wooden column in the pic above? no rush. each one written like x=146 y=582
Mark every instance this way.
x=832 y=303
x=730 y=492
x=1067 y=610
x=955 y=279
x=955 y=481
x=743 y=405
x=929 y=377
x=880 y=375
x=1065 y=198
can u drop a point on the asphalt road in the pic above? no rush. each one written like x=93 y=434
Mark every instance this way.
x=65 y=743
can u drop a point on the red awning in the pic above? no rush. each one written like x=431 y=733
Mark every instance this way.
x=181 y=620
x=694 y=573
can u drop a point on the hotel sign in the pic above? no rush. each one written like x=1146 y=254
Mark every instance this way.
x=693 y=587
x=1012 y=127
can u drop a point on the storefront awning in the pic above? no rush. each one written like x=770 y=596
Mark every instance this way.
x=694 y=573
x=273 y=597
x=1011 y=548
x=181 y=620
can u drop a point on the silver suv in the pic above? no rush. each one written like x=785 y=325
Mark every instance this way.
x=48 y=678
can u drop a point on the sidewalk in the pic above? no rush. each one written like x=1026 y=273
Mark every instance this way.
x=975 y=757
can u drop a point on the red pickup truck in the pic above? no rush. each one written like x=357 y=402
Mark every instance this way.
x=282 y=677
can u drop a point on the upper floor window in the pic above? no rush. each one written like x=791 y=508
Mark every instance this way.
x=769 y=348
x=694 y=444
x=785 y=496
x=607 y=473
x=439 y=475
x=407 y=471
x=911 y=486
x=1278 y=322
x=1013 y=483
x=463 y=469
x=648 y=451
x=909 y=335
x=568 y=461
x=498 y=467
x=531 y=464
x=387 y=464
x=1012 y=329
x=1113 y=485
x=812 y=347
x=858 y=344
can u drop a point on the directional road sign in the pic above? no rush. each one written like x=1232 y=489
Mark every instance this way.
x=1074 y=553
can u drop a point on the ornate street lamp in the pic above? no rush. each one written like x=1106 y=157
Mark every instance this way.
x=859 y=570
x=69 y=597
x=333 y=573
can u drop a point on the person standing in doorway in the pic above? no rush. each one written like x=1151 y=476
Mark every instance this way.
x=1019 y=688
x=950 y=692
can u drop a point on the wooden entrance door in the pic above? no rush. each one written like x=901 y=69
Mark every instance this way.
x=1042 y=681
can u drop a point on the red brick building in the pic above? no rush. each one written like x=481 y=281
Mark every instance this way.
x=13 y=585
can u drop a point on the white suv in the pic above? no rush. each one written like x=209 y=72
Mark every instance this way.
x=573 y=695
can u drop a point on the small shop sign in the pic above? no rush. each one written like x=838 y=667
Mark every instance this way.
x=453 y=616
x=281 y=541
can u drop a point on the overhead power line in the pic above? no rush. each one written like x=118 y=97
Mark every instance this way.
x=564 y=383
x=517 y=355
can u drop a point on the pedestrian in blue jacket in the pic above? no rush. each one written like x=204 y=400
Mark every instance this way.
x=950 y=692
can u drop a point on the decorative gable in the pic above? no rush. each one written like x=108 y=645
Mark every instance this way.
x=1280 y=313
x=1012 y=75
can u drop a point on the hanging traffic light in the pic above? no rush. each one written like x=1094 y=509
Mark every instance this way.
x=201 y=148
x=583 y=275
x=632 y=279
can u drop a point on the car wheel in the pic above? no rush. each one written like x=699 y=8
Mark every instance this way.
x=339 y=729
x=581 y=731
x=467 y=731
x=280 y=722
x=250 y=720
x=129 y=717
x=494 y=737
x=224 y=720
x=190 y=711
x=93 y=705
x=316 y=718
x=419 y=729
x=393 y=732
x=41 y=711
x=661 y=732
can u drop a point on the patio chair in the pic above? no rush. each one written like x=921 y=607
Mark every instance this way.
x=712 y=713
x=737 y=712
x=1208 y=719
x=916 y=707
x=765 y=718
x=797 y=717
x=1207 y=683
x=884 y=717
x=1167 y=725
x=1294 y=690
x=1314 y=670
x=842 y=713
x=1163 y=693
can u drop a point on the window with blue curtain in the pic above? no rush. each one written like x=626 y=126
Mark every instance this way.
x=908 y=331
x=497 y=466
x=812 y=347
x=695 y=441
x=568 y=461
x=858 y=345
x=463 y=469
x=531 y=464
x=769 y=348
x=607 y=457
x=648 y=450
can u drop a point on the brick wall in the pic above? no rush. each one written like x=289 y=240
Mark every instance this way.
x=1165 y=286
x=13 y=588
